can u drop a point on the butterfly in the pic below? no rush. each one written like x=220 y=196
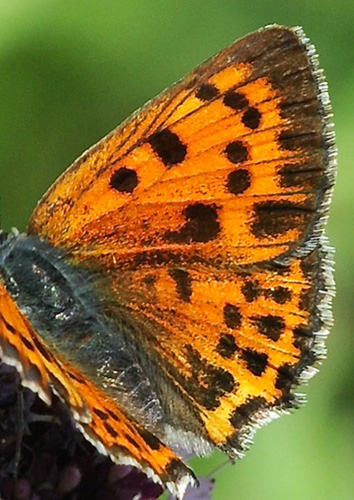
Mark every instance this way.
x=174 y=284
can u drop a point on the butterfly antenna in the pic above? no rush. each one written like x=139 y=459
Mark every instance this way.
x=218 y=468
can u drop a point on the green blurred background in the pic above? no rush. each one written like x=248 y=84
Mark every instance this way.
x=72 y=70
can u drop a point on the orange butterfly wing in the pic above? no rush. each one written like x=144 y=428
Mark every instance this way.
x=97 y=415
x=236 y=151
x=205 y=210
x=234 y=342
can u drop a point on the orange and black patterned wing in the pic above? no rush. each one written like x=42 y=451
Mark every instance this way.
x=97 y=415
x=235 y=343
x=230 y=166
x=205 y=211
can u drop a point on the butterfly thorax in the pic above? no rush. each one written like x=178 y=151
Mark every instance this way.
x=61 y=302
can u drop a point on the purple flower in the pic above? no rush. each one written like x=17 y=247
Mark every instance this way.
x=56 y=462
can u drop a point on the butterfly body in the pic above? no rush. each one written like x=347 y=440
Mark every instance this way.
x=174 y=284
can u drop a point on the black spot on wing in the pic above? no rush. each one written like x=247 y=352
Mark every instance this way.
x=201 y=225
x=207 y=92
x=8 y=325
x=75 y=376
x=236 y=152
x=251 y=290
x=271 y=326
x=46 y=354
x=243 y=414
x=232 y=316
x=124 y=180
x=113 y=415
x=132 y=442
x=226 y=346
x=149 y=439
x=251 y=118
x=235 y=100
x=238 y=181
x=102 y=415
x=168 y=147
x=256 y=362
x=183 y=283
x=26 y=342
x=110 y=430
x=280 y=294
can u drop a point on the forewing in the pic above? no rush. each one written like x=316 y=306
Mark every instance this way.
x=228 y=166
